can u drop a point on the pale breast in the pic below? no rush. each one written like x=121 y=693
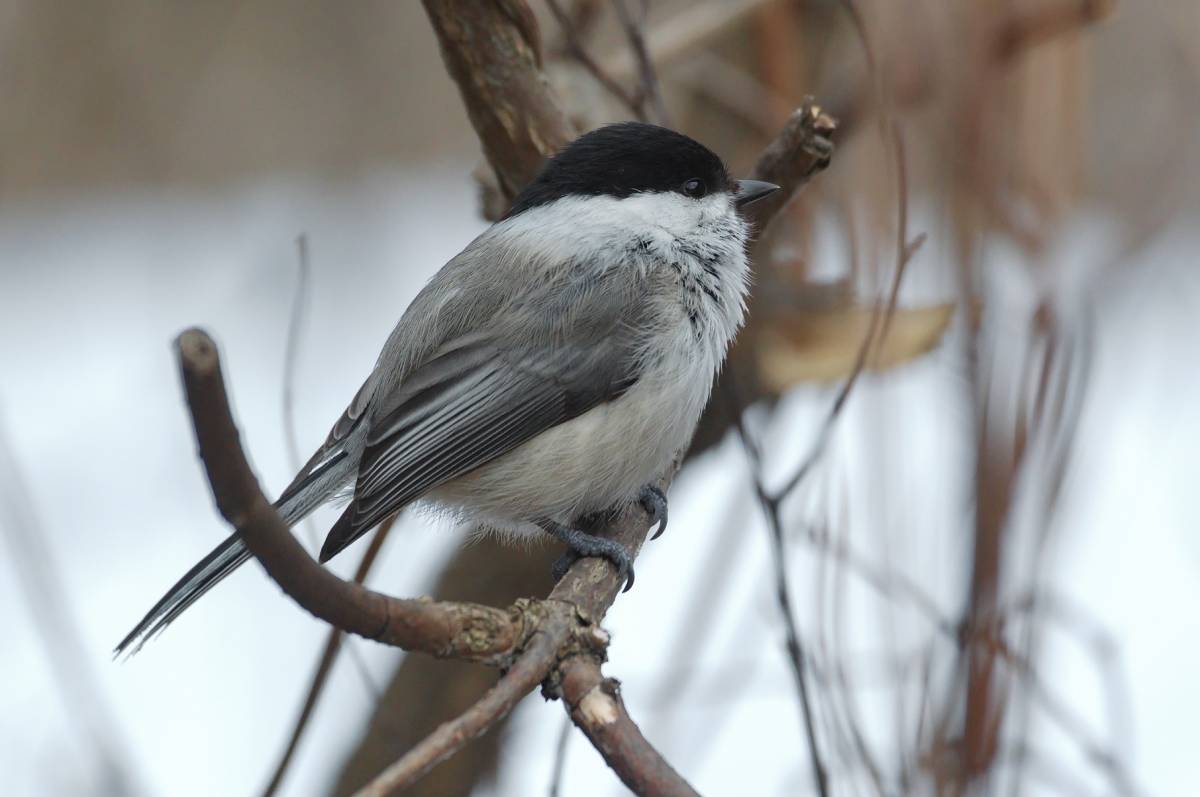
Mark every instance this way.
x=604 y=457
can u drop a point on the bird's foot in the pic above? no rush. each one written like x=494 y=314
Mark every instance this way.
x=580 y=544
x=655 y=504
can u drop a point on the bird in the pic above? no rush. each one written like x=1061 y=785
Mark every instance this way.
x=551 y=370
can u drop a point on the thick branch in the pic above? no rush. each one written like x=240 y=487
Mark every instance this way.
x=595 y=705
x=491 y=49
x=458 y=630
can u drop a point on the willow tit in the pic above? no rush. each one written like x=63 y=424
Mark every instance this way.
x=552 y=369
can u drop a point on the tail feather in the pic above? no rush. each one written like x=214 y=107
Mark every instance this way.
x=207 y=573
x=297 y=502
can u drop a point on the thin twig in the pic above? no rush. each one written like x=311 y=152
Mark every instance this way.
x=878 y=328
x=522 y=678
x=783 y=599
x=579 y=52
x=771 y=502
x=650 y=93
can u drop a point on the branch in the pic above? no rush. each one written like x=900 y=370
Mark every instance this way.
x=425 y=691
x=492 y=50
x=801 y=149
x=458 y=630
x=578 y=51
x=524 y=676
x=595 y=706
x=650 y=93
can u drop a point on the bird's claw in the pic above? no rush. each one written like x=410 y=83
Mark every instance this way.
x=580 y=544
x=655 y=504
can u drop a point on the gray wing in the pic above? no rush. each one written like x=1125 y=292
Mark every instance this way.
x=331 y=451
x=466 y=291
x=480 y=396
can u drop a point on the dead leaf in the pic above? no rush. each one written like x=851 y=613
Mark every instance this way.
x=823 y=345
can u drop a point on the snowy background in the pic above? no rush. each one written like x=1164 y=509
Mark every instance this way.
x=158 y=162
x=99 y=289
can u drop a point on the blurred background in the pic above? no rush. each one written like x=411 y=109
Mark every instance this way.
x=979 y=499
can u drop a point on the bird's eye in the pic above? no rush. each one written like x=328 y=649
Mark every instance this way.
x=695 y=188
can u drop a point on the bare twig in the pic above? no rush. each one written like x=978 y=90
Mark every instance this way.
x=579 y=52
x=771 y=502
x=291 y=354
x=522 y=678
x=880 y=320
x=783 y=599
x=650 y=94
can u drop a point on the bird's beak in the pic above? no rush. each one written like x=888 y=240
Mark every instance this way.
x=751 y=191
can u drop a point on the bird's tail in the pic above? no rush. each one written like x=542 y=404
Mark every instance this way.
x=293 y=507
x=207 y=573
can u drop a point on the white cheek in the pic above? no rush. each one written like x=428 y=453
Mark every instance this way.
x=716 y=205
x=574 y=227
x=677 y=214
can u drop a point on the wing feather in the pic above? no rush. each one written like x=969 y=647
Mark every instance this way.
x=463 y=411
x=565 y=343
x=331 y=451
